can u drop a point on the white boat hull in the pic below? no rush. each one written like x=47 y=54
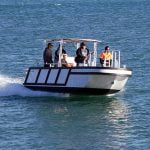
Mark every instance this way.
x=77 y=80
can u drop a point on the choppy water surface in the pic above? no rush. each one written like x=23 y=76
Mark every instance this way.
x=40 y=120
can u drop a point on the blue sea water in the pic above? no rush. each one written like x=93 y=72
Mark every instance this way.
x=38 y=120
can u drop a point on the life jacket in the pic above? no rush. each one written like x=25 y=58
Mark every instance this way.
x=106 y=56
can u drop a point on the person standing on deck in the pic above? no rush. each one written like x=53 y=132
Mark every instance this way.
x=57 y=53
x=47 y=55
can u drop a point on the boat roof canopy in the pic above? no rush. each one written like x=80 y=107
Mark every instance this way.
x=72 y=40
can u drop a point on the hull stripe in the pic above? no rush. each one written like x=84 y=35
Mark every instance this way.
x=87 y=91
x=47 y=76
x=67 y=76
x=27 y=76
x=99 y=73
x=57 y=76
x=37 y=77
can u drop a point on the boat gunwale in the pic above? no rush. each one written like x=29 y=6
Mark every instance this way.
x=82 y=67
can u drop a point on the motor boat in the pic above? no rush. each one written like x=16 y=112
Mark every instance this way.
x=88 y=78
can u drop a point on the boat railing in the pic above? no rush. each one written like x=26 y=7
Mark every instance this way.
x=92 y=61
x=115 y=59
x=114 y=62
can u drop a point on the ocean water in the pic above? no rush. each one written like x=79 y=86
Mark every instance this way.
x=40 y=120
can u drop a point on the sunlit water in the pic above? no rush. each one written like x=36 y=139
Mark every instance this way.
x=42 y=120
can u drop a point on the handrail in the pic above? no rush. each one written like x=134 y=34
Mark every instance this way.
x=114 y=61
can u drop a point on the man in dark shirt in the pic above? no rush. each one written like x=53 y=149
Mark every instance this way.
x=57 y=53
x=47 y=55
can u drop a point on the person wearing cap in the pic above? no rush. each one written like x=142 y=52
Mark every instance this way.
x=82 y=54
x=64 y=61
x=47 y=55
x=106 y=56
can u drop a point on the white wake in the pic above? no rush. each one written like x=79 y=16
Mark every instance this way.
x=10 y=86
